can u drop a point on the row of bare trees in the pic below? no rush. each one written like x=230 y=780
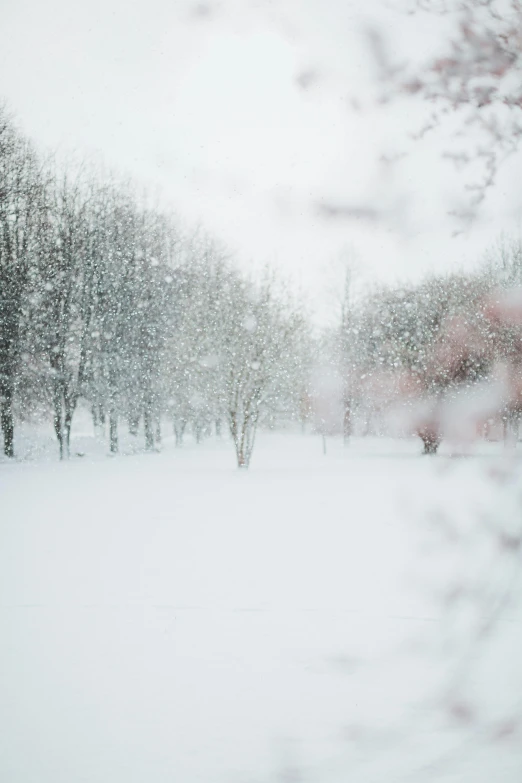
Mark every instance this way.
x=103 y=300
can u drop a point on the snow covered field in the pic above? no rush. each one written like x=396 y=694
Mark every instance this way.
x=348 y=617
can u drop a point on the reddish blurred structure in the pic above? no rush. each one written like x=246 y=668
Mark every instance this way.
x=483 y=353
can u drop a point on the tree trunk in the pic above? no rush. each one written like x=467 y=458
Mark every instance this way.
x=347 y=420
x=511 y=428
x=149 y=432
x=179 y=430
x=242 y=461
x=6 y=418
x=67 y=436
x=113 y=432
x=431 y=440
x=113 y=405
x=70 y=407
x=57 y=417
x=245 y=443
x=241 y=457
x=64 y=405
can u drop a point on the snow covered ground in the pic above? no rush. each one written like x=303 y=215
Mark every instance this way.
x=348 y=617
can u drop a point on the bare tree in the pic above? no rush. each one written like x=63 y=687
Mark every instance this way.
x=20 y=185
x=261 y=356
x=477 y=76
x=66 y=278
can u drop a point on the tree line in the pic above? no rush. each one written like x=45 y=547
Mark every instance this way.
x=104 y=299
x=420 y=346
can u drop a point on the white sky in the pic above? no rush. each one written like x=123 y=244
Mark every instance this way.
x=203 y=102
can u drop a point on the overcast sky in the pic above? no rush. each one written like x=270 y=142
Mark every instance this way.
x=246 y=115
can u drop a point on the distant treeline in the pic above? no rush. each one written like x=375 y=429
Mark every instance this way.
x=104 y=299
